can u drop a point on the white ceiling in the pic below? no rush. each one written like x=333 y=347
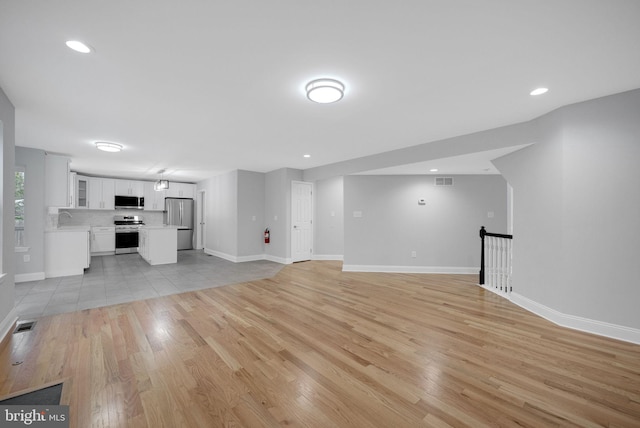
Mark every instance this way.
x=202 y=87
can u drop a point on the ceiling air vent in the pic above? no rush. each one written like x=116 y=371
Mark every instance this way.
x=444 y=181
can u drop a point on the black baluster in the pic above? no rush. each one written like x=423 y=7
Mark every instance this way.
x=482 y=233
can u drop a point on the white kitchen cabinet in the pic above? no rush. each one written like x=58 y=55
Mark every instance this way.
x=153 y=199
x=82 y=191
x=66 y=251
x=101 y=193
x=103 y=240
x=57 y=181
x=129 y=187
x=158 y=245
x=181 y=190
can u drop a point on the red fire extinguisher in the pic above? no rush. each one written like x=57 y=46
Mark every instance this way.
x=266 y=235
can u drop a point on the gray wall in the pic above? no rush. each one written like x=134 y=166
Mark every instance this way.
x=251 y=221
x=222 y=212
x=577 y=211
x=278 y=205
x=7 y=288
x=328 y=235
x=443 y=232
x=33 y=161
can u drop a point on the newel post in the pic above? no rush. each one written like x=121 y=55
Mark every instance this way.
x=482 y=233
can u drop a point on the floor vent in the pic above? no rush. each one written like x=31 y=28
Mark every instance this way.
x=24 y=326
x=444 y=181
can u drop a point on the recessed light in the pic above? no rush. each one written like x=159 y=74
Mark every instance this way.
x=433 y=170
x=108 y=147
x=538 y=91
x=325 y=91
x=78 y=46
x=306 y=156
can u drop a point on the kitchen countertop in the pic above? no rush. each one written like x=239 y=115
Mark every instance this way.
x=70 y=229
x=161 y=226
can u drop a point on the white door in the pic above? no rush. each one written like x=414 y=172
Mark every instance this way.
x=301 y=221
x=201 y=216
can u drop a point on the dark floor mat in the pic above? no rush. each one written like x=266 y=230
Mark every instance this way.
x=45 y=396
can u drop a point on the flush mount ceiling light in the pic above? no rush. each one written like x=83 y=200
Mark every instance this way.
x=78 y=46
x=538 y=91
x=433 y=170
x=325 y=91
x=306 y=156
x=108 y=147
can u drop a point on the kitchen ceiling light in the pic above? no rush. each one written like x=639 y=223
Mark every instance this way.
x=78 y=46
x=108 y=147
x=306 y=156
x=538 y=91
x=433 y=170
x=161 y=185
x=325 y=91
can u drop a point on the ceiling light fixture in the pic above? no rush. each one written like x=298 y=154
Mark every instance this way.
x=433 y=170
x=78 y=46
x=538 y=91
x=161 y=184
x=325 y=91
x=108 y=147
x=306 y=156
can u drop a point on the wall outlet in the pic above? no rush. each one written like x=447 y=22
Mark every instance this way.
x=275 y=218
x=490 y=214
x=253 y=218
x=26 y=258
x=414 y=254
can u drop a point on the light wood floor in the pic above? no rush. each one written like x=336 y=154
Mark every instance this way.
x=317 y=347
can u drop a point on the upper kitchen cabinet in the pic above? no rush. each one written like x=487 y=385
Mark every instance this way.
x=181 y=190
x=58 y=181
x=101 y=193
x=153 y=199
x=82 y=191
x=129 y=187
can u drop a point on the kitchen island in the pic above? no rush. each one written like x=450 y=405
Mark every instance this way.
x=66 y=251
x=158 y=245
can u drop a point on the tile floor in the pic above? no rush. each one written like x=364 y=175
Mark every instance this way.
x=127 y=277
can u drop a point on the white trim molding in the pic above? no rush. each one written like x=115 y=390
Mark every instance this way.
x=7 y=323
x=410 y=269
x=587 y=325
x=337 y=257
x=240 y=259
x=275 y=259
x=25 y=277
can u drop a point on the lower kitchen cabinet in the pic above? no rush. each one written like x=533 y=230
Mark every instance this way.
x=158 y=245
x=103 y=240
x=66 y=251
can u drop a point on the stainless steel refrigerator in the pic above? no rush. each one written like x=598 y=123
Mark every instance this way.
x=179 y=212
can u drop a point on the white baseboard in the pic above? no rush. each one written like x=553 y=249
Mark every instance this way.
x=240 y=259
x=7 y=323
x=24 y=277
x=587 y=325
x=410 y=269
x=338 y=257
x=281 y=260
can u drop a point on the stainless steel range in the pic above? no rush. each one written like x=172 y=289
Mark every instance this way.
x=127 y=227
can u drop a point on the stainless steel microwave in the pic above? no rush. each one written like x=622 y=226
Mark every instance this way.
x=129 y=203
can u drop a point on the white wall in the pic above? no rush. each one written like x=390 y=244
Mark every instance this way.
x=251 y=208
x=33 y=161
x=328 y=234
x=577 y=216
x=7 y=189
x=222 y=213
x=278 y=212
x=443 y=232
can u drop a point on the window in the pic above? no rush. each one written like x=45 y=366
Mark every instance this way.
x=19 y=207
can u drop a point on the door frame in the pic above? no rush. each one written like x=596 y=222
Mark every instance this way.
x=201 y=217
x=311 y=226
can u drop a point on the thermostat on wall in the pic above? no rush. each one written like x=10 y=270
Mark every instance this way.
x=422 y=201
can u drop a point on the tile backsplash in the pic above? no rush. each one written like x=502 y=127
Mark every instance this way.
x=105 y=217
